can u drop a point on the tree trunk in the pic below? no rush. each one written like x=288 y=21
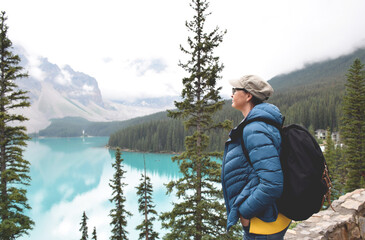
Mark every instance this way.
x=199 y=223
x=3 y=148
x=145 y=199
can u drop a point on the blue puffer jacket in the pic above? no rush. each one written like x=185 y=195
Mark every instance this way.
x=251 y=191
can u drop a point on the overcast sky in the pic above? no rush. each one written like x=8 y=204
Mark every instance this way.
x=132 y=47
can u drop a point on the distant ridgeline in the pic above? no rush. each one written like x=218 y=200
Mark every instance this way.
x=311 y=96
x=77 y=126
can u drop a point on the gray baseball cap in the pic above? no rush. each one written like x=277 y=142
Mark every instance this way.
x=254 y=85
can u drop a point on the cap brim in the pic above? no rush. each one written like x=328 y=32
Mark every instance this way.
x=235 y=83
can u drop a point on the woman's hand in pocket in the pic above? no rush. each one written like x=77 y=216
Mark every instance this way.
x=244 y=222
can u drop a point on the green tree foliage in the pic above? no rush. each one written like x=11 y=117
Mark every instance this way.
x=317 y=105
x=118 y=214
x=146 y=207
x=84 y=228
x=155 y=136
x=170 y=134
x=340 y=170
x=14 y=168
x=336 y=166
x=353 y=125
x=94 y=236
x=199 y=213
x=329 y=153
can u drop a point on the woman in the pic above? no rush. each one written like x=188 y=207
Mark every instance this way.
x=251 y=188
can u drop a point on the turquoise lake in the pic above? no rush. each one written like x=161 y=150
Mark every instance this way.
x=72 y=175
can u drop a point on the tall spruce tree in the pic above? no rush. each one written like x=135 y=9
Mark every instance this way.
x=200 y=212
x=330 y=153
x=332 y=160
x=118 y=214
x=14 y=168
x=340 y=170
x=353 y=125
x=94 y=236
x=84 y=229
x=146 y=207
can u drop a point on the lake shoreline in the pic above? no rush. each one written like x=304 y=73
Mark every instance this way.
x=138 y=151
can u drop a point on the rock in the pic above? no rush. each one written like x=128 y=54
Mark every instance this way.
x=351 y=204
x=347 y=222
x=362 y=226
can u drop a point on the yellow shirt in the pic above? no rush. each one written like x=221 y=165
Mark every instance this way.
x=258 y=226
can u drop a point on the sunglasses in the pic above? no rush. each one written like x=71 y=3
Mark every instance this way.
x=234 y=90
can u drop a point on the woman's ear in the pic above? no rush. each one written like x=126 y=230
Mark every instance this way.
x=249 y=97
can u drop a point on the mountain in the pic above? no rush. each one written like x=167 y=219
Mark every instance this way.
x=312 y=96
x=331 y=71
x=58 y=92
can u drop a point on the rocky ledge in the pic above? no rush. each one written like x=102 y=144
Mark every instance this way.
x=346 y=221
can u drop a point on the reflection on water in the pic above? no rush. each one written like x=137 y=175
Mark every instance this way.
x=71 y=175
x=159 y=164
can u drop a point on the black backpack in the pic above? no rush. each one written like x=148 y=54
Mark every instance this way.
x=306 y=180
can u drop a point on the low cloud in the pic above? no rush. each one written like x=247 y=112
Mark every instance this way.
x=87 y=89
x=142 y=66
x=107 y=59
x=33 y=68
x=64 y=78
x=139 y=79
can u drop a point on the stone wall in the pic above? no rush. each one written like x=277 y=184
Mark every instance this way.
x=347 y=222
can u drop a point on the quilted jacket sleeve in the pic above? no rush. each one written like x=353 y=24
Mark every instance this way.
x=262 y=142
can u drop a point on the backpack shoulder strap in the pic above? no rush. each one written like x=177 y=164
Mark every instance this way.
x=258 y=119
x=268 y=121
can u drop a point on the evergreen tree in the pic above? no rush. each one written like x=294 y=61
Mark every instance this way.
x=340 y=171
x=331 y=160
x=329 y=153
x=94 y=237
x=146 y=207
x=84 y=228
x=200 y=212
x=118 y=213
x=311 y=130
x=353 y=125
x=14 y=169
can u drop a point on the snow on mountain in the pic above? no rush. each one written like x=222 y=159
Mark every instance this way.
x=57 y=92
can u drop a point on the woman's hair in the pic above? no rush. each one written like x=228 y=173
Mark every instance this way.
x=255 y=101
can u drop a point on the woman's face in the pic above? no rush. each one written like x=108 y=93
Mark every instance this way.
x=240 y=99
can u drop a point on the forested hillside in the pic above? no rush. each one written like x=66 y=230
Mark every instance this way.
x=332 y=70
x=167 y=135
x=311 y=96
x=314 y=106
